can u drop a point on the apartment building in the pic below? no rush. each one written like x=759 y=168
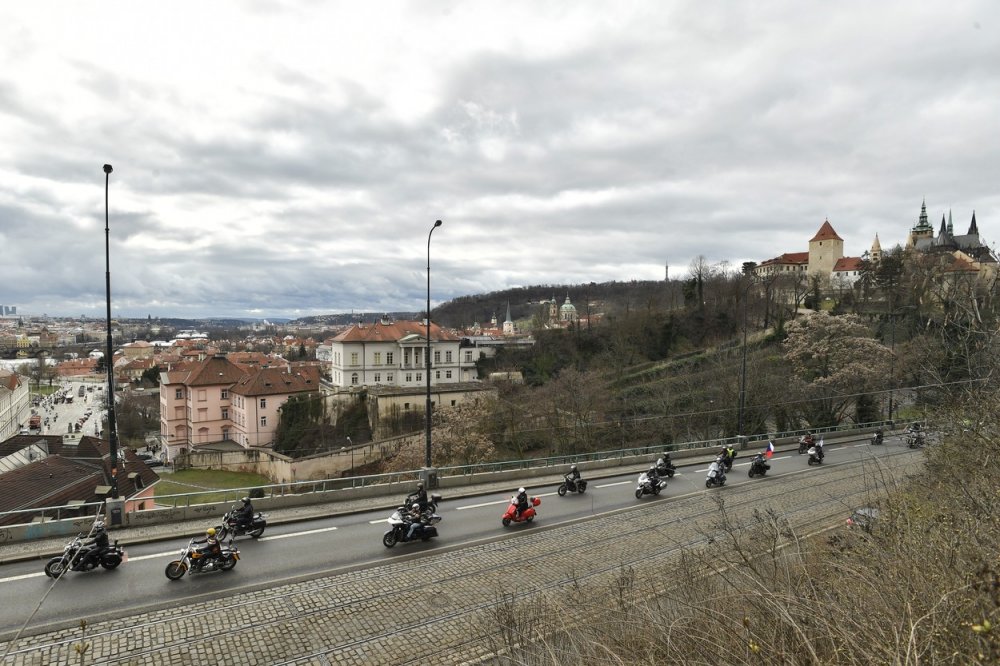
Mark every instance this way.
x=15 y=403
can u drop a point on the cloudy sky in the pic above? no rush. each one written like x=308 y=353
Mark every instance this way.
x=289 y=158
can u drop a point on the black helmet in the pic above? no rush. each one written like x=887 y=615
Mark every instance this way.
x=245 y=500
x=572 y=468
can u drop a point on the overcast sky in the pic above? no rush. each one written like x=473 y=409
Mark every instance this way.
x=289 y=158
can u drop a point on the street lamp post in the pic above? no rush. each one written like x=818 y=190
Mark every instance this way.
x=109 y=359
x=427 y=452
x=352 y=455
x=743 y=364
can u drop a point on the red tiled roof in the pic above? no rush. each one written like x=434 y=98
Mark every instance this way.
x=826 y=232
x=51 y=481
x=847 y=264
x=275 y=381
x=392 y=332
x=789 y=258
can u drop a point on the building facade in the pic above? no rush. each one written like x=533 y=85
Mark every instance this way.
x=15 y=403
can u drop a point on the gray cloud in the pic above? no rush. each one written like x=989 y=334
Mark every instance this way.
x=561 y=144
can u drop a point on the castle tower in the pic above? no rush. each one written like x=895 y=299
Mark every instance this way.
x=876 y=252
x=508 y=323
x=825 y=248
x=923 y=228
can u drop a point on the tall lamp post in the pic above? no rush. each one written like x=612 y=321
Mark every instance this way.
x=109 y=359
x=743 y=364
x=427 y=452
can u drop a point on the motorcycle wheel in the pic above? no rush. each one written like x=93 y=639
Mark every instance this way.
x=221 y=532
x=656 y=490
x=670 y=473
x=529 y=518
x=257 y=532
x=708 y=483
x=506 y=522
x=110 y=564
x=55 y=567
x=175 y=570
x=638 y=494
x=581 y=487
x=389 y=539
x=227 y=563
x=750 y=474
x=562 y=490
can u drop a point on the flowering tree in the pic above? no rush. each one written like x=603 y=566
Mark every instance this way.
x=836 y=361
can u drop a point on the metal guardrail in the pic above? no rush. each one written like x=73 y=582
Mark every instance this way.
x=224 y=495
x=47 y=513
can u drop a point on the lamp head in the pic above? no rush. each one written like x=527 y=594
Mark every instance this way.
x=107 y=168
x=437 y=223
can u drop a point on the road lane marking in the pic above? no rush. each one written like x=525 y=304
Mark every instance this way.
x=608 y=485
x=21 y=577
x=507 y=501
x=274 y=537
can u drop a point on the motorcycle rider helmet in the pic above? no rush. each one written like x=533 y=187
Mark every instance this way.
x=420 y=486
x=415 y=506
x=572 y=468
x=520 y=490
x=652 y=468
x=245 y=500
x=210 y=532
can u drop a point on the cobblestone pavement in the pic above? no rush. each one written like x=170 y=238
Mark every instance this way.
x=435 y=608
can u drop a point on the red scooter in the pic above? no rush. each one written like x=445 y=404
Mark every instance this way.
x=526 y=517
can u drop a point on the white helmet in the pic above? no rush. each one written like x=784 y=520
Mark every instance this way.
x=415 y=505
x=520 y=490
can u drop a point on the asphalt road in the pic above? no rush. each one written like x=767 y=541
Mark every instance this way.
x=307 y=550
x=61 y=414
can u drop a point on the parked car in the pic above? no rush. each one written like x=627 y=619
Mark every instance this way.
x=154 y=462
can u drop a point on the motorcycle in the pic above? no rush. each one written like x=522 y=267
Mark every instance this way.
x=74 y=558
x=915 y=440
x=647 y=487
x=511 y=515
x=877 y=437
x=727 y=460
x=665 y=468
x=816 y=455
x=716 y=474
x=571 y=485
x=191 y=561
x=804 y=444
x=231 y=525
x=431 y=506
x=758 y=466
x=399 y=527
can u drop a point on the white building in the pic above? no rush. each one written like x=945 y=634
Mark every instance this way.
x=15 y=403
x=393 y=354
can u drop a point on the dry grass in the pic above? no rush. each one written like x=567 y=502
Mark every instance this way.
x=923 y=587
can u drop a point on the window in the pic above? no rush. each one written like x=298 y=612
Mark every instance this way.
x=447 y=357
x=388 y=358
x=202 y=395
x=447 y=374
x=406 y=406
x=263 y=421
x=437 y=357
x=225 y=434
x=203 y=414
x=354 y=358
x=178 y=394
x=437 y=374
x=420 y=376
x=225 y=414
x=354 y=379
x=263 y=403
x=468 y=356
x=225 y=394
x=388 y=378
x=377 y=358
x=409 y=376
x=378 y=377
x=452 y=403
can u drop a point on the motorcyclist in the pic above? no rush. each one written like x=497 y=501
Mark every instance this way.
x=415 y=518
x=878 y=435
x=209 y=546
x=97 y=544
x=522 y=501
x=665 y=462
x=244 y=514
x=653 y=476
x=728 y=455
x=419 y=496
x=819 y=450
x=572 y=476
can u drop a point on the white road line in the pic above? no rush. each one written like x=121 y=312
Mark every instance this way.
x=608 y=485
x=506 y=501
x=153 y=556
x=22 y=577
x=274 y=537
x=376 y=522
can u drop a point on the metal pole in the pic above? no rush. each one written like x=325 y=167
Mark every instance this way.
x=427 y=362
x=892 y=361
x=109 y=358
x=743 y=365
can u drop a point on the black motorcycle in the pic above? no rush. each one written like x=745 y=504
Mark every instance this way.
x=192 y=560
x=76 y=555
x=571 y=485
x=666 y=468
x=877 y=437
x=915 y=439
x=399 y=527
x=758 y=466
x=804 y=444
x=816 y=455
x=231 y=525
x=431 y=506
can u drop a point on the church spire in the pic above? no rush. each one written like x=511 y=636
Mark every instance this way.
x=972 y=228
x=951 y=227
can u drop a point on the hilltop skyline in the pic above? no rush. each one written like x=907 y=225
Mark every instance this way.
x=285 y=160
